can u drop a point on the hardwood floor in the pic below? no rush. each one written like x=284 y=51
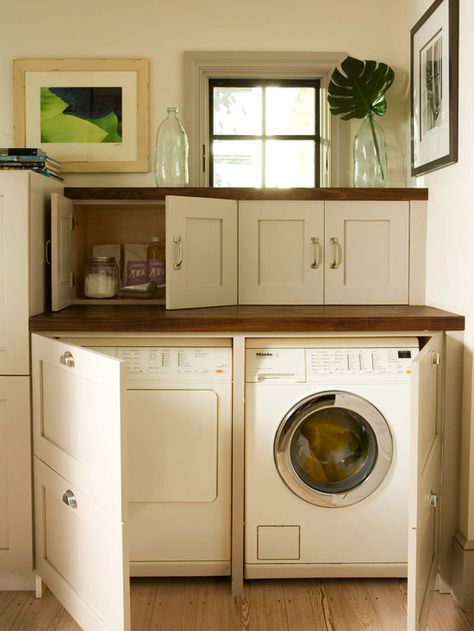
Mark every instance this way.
x=204 y=604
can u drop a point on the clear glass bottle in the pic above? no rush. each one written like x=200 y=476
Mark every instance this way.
x=370 y=155
x=101 y=277
x=171 y=152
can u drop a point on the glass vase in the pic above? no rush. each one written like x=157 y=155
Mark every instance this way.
x=370 y=155
x=171 y=152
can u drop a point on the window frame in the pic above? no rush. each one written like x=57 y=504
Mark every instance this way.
x=264 y=83
x=201 y=66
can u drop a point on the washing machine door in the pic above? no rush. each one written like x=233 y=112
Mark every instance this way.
x=333 y=449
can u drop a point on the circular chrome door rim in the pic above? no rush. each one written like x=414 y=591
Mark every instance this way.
x=299 y=413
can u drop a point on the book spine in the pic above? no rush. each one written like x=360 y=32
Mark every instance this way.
x=21 y=151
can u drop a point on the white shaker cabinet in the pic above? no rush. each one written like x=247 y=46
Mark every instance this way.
x=24 y=218
x=281 y=252
x=367 y=253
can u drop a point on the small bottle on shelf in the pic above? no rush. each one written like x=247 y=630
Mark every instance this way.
x=155 y=261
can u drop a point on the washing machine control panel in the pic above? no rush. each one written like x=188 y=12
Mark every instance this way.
x=170 y=363
x=359 y=361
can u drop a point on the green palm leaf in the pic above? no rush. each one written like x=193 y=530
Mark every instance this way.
x=360 y=89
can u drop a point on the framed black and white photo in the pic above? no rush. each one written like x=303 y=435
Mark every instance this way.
x=434 y=88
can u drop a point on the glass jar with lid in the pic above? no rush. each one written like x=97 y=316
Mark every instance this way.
x=101 y=277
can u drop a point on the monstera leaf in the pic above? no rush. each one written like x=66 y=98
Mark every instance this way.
x=360 y=92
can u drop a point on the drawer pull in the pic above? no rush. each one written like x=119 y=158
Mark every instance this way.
x=179 y=242
x=70 y=499
x=316 y=253
x=67 y=359
x=336 y=252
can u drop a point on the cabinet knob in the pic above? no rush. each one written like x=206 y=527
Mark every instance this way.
x=70 y=499
x=67 y=359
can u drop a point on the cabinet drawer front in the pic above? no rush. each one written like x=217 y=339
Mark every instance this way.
x=80 y=553
x=77 y=418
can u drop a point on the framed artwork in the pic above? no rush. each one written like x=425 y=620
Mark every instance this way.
x=90 y=114
x=434 y=88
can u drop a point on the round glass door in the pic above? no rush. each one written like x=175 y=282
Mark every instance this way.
x=333 y=449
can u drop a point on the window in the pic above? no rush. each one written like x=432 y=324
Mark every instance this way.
x=264 y=133
x=204 y=69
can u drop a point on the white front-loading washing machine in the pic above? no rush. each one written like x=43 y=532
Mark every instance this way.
x=326 y=456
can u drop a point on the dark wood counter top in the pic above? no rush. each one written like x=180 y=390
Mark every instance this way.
x=248 y=319
x=154 y=193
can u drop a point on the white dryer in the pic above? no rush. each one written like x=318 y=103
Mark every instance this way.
x=326 y=453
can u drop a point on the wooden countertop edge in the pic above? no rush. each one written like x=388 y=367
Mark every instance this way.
x=159 y=194
x=242 y=322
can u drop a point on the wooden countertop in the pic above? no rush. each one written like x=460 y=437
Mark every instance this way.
x=154 y=193
x=248 y=319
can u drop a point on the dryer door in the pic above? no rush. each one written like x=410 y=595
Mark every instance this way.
x=333 y=449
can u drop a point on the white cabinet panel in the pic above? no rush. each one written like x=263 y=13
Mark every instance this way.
x=367 y=250
x=425 y=476
x=280 y=252
x=16 y=546
x=62 y=280
x=80 y=482
x=201 y=252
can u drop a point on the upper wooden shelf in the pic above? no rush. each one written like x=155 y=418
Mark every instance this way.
x=159 y=194
x=248 y=319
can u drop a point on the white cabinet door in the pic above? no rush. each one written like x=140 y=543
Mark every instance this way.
x=14 y=279
x=62 y=278
x=201 y=252
x=425 y=477
x=80 y=489
x=16 y=544
x=280 y=252
x=367 y=250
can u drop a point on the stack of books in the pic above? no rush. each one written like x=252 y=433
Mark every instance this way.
x=30 y=158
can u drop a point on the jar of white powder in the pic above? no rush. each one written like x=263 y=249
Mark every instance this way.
x=101 y=277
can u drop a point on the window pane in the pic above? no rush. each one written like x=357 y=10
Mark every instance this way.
x=237 y=163
x=290 y=110
x=237 y=110
x=289 y=163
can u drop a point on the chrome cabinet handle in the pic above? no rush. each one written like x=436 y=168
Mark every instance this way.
x=47 y=252
x=70 y=499
x=179 y=242
x=67 y=359
x=336 y=252
x=316 y=253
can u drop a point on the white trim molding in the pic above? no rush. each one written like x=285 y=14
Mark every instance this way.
x=200 y=66
x=463 y=571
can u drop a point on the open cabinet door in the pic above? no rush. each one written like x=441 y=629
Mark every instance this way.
x=201 y=252
x=80 y=473
x=425 y=481
x=62 y=278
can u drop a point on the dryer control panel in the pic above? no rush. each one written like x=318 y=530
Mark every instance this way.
x=156 y=362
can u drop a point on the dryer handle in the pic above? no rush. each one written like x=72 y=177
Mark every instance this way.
x=264 y=376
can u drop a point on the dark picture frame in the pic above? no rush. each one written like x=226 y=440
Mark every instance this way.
x=434 y=86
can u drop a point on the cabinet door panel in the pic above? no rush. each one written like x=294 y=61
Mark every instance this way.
x=14 y=279
x=280 y=252
x=367 y=251
x=16 y=546
x=62 y=281
x=79 y=433
x=425 y=476
x=201 y=247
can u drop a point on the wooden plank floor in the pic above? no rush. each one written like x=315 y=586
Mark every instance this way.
x=204 y=604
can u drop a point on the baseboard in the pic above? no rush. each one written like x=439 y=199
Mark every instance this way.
x=180 y=568
x=9 y=581
x=463 y=572
x=321 y=570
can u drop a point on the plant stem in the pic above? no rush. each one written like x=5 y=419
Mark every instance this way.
x=376 y=144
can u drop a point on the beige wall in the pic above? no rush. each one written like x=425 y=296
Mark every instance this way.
x=160 y=31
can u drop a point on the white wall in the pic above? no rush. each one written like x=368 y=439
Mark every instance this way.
x=160 y=31
x=450 y=244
